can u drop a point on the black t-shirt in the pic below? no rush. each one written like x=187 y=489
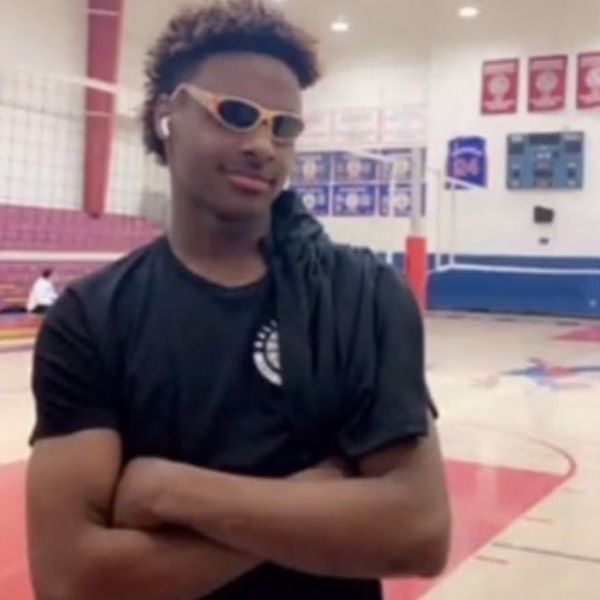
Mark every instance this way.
x=189 y=371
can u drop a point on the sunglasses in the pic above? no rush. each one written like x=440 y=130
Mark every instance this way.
x=243 y=116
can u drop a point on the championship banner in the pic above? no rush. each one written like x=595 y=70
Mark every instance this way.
x=547 y=83
x=500 y=87
x=316 y=199
x=312 y=168
x=588 y=80
x=354 y=200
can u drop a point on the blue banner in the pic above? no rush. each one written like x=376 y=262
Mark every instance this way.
x=354 y=200
x=316 y=199
x=350 y=168
x=401 y=202
x=467 y=161
x=312 y=168
x=404 y=165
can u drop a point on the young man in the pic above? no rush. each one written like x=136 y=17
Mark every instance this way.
x=42 y=294
x=239 y=410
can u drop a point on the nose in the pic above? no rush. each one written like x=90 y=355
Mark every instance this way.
x=259 y=143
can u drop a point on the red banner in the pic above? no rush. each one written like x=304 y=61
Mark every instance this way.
x=588 y=80
x=547 y=83
x=500 y=87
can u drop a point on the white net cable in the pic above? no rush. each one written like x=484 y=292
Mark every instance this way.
x=42 y=142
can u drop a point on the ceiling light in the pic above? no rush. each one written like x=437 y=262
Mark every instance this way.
x=468 y=12
x=340 y=25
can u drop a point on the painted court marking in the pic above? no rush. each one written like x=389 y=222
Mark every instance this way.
x=546 y=552
x=479 y=517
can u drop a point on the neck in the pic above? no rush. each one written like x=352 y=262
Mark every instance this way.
x=200 y=233
x=224 y=251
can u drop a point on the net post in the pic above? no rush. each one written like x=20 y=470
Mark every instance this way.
x=417 y=270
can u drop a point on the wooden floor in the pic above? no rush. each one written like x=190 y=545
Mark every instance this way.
x=520 y=403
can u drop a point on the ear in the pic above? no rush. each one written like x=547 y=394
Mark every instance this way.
x=164 y=128
x=162 y=119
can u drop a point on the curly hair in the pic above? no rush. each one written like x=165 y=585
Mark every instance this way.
x=221 y=26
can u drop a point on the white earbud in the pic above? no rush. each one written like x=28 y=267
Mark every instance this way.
x=164 y=128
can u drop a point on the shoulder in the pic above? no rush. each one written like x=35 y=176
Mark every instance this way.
x=364 y=262
x=102 y=284
x=92 y=303
x=359 y=274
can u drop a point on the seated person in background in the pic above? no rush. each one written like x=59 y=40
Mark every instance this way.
x=43 y=294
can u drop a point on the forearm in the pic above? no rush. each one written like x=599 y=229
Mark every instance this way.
x=349 y=528
x=134 y=565
x=137 y=561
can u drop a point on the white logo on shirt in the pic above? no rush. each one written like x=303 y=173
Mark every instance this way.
x=266 y=354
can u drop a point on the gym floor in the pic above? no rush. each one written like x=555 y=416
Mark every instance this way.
x=520 y=426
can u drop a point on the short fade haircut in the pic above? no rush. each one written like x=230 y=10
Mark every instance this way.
x=221 y=26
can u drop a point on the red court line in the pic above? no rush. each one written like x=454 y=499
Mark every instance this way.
x=14 y=575
x=485 y=500
x=588 y=334
x=570 y=462
x=527 y=490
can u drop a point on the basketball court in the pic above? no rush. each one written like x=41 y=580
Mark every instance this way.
x=420 y=143
x=519 y=405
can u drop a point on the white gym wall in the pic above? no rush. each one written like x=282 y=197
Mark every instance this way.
x=395 y=53
x=499 y=221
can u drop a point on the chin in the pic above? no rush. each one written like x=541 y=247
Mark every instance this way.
x=237 y=208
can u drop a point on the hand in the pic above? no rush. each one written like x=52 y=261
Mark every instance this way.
x=331 y=469
x=140 y=488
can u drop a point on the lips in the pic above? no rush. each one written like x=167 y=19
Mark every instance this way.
x=249 y=182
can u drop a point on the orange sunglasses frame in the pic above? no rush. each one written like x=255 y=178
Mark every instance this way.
x=210 y=102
